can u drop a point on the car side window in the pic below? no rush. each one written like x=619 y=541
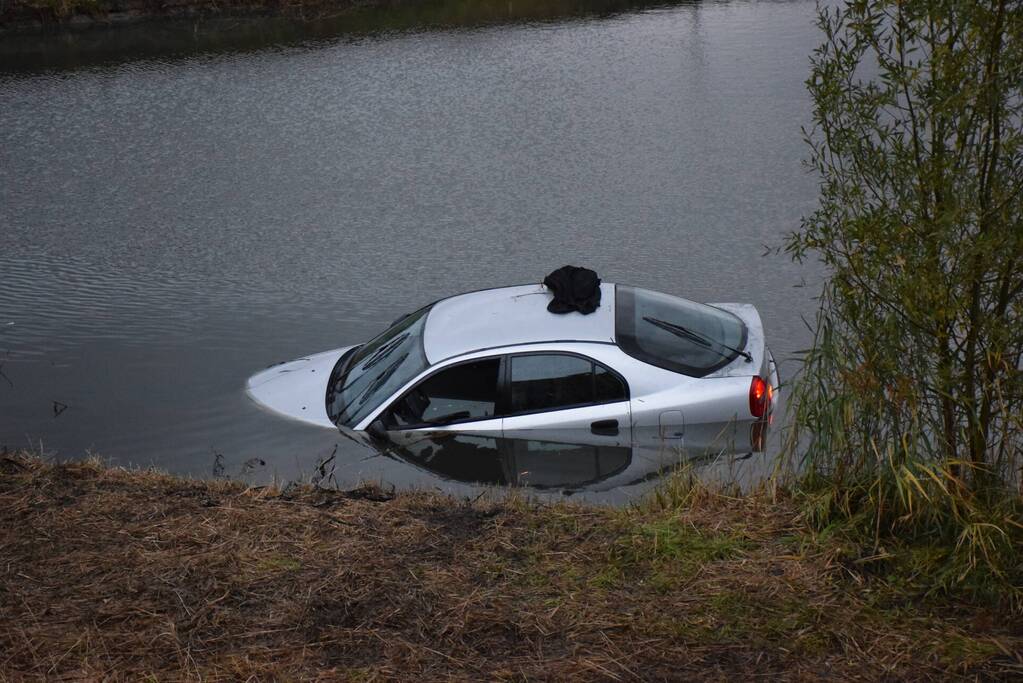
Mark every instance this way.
x=462 y=392
x=551 y=381
x=608 y=386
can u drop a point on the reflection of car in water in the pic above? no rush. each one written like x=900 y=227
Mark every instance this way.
x=495 y=460
x=643 y=369
x=538 y=461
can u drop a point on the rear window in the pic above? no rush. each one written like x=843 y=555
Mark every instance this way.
x=676 y=334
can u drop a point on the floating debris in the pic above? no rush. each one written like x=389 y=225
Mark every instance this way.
x=252 y=463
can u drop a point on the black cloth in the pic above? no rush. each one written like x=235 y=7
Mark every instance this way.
x=574 y=289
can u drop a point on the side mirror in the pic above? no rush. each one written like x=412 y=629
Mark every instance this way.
x=377 y=428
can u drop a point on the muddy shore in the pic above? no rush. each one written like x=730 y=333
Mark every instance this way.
x=139 y=575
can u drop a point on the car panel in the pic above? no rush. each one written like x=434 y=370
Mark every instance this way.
x=296 y=389
x=711 y=414
x=581 y=424
x=508 y=316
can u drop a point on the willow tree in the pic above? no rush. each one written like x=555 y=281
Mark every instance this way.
x=913 y=383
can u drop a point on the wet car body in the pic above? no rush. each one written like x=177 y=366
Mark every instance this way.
x=644 y=368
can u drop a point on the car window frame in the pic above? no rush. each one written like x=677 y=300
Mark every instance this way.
x=505 y=381
x=502 y=406
x=498 y=402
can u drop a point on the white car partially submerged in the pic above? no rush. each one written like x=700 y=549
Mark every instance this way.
x=643 y=366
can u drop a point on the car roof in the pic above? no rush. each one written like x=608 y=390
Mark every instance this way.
x=507 y=316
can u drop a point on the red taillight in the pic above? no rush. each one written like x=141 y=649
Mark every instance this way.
x=759 y=397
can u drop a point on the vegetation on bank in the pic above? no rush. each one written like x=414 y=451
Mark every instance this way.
x=908 y=413
x=139 y=575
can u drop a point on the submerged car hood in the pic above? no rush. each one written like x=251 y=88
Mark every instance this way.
x=298 y=388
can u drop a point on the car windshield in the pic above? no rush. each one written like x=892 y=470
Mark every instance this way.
x=676 y=334
x=377 y=370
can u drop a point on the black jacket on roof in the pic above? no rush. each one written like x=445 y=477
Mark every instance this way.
x=574 y=289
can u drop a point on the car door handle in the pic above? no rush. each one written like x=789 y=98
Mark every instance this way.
x=605 y=427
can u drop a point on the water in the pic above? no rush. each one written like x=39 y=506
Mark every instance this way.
x=173 y=219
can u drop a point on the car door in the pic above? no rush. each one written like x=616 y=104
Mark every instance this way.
x=567 y=397
x=462 y=397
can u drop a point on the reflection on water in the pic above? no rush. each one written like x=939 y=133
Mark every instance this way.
x=513 y=462
x=72 y=47
x=565 y=461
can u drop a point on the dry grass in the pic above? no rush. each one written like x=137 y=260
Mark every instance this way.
x=111 y=574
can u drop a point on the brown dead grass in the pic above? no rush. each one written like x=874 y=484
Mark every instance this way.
x=112 y=574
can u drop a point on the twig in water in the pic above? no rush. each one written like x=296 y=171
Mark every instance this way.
x=321 y=469
x=3 y=374
x=218 y=464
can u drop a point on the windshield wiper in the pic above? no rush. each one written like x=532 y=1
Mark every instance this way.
x=381 y=379
x=373 y=359
x=384 y=350
x=697 y=338
x=377 y=382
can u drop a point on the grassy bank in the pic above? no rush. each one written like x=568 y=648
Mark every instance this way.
x=134 y=574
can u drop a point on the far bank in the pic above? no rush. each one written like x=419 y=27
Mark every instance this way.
x=364 y=15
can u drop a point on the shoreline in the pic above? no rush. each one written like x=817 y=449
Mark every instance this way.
x=139 y=573
x=71 y=15
x=68 y=16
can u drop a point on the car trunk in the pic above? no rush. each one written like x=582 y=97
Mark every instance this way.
x=762 y=363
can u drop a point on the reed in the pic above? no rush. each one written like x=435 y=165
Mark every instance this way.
x=907 y=413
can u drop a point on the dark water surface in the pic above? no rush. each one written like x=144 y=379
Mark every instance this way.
x=171 y=224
